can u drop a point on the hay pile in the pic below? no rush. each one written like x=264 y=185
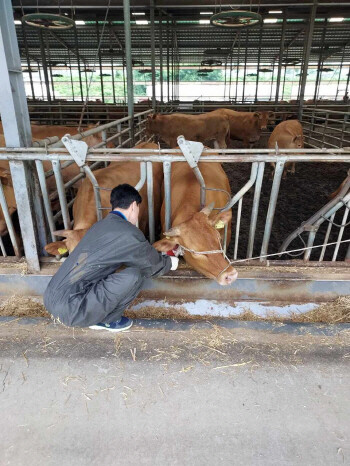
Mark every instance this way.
x=329 y=313
x=21 y=306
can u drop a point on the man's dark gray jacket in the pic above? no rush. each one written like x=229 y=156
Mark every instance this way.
x=86 y=289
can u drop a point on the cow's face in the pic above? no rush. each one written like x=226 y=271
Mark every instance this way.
x=6 y=181
x=199 y=234
x=263 y=119
x=298 y=142
x=68 y=245
x=151 y=124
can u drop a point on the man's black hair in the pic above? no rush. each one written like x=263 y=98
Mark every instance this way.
x=123 y=195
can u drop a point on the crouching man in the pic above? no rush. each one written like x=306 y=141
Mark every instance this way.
x=106 y=270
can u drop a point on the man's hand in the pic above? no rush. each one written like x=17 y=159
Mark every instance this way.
x=174 y=262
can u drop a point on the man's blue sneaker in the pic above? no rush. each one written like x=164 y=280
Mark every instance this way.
x=123 y=324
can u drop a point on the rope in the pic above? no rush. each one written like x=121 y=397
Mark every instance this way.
x=181 y=249
x=93 y=68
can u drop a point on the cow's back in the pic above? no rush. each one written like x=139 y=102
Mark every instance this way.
x=284 y=134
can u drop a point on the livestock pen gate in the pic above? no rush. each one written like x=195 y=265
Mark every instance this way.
x=274 y=219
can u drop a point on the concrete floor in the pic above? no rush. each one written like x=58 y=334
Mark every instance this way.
x=161 y=397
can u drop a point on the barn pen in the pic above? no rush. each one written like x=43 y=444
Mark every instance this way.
x=290 y=241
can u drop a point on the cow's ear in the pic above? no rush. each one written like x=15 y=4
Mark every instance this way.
x=271 y=114
x=257 y=114
x=222 y=219
x=5 y=176
x=165 y=245
x=56 y=248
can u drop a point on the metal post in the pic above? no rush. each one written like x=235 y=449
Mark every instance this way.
x=272 y=207
x=49 y=63
x=100 y=62
x=16 y=125
x=238 y=60
x=255 y=209
x=168 y=59
x=245 y=65
x=307 y=58
x=153 y=56
x=28 y=60
x=46 y=76
x=340 y=70
x=167 y=194
x=161 y=56
x=258 y=73
x=280 y=58
x=320 y=61
x=78 y=60
x=150 y=201
x=129 y=76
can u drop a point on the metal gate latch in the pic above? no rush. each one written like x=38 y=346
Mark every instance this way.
x=77 y=149
x=191 y=150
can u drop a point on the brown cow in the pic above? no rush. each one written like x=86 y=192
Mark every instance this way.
x=203 y=128
x=246 y=126
x=41 y=132
x=195 y=228
x=287 y=135
x=84 y=207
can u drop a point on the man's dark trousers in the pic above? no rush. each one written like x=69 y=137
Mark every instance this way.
x=104 y=274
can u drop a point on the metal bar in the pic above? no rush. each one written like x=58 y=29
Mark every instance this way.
x=130 y=86
x=45 y=196
x=17 y=132
x=244 y=189
x=143 y=176
x=320 y=61
x=44 y=63
x=61 y=194
x=150 y=202
x=96 y=188
x=255 y=209
x=310 y=242
x=153 y=55
x=323 y=250
x=307 y=58
x=161 y=56
x=76 y=44
x=341 y=231
x=167 y=194
x=259 y=57
x=245 y=65
x=8 y=221
x=280 y=59
x=168 y=59
x=272 y=206
x=100 y=61
x=27 y=57
x=238 y=227
x=238 y=62
x=2 y=246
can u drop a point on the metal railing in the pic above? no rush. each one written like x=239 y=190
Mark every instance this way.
x=255 y=158
x=120 y=132
x=324 y=127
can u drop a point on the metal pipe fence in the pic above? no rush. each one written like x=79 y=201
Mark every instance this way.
x=255 y=158
x=324 y=127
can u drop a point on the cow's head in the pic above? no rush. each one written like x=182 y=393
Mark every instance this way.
x=67 y=245
x=6 y=180
x=298 y=141
x=200 y=233
x=151 y=124
x=263 y=119
x=96 y=138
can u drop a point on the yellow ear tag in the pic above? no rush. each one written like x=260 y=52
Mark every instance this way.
x=220 y=224
x=168 y=237
x=62 y=250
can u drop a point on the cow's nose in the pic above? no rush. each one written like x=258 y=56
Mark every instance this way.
x=228 y=277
